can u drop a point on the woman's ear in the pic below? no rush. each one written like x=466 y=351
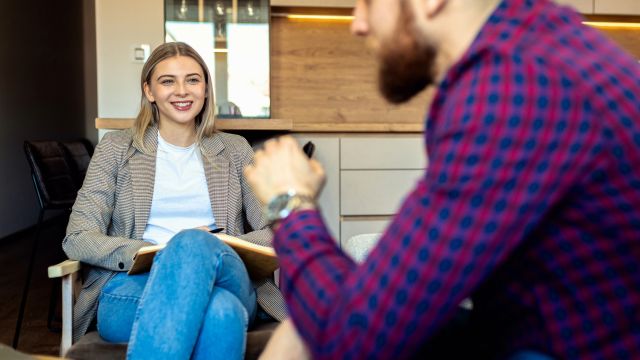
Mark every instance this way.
x=147 y=92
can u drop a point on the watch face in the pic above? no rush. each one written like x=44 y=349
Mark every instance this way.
x=277 y=207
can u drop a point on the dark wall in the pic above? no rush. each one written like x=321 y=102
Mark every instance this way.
x=41 y=93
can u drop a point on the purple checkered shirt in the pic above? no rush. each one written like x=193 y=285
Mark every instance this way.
x=530 y=205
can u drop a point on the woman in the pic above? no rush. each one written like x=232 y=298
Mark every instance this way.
x=171 y=171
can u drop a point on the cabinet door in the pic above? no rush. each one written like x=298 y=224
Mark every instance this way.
x=583 y=6
x=315 y=3
x=375 y=192
x=617 y=7
x=327 y=152
x=382 y=152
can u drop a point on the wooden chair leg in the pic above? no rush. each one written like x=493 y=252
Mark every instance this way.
x=67 y=312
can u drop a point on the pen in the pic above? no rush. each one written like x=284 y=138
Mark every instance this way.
x=216 y=230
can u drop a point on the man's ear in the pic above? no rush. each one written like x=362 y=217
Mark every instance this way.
x=147 y=92
x=431 y=8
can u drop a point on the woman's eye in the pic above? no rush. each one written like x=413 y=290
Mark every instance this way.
x=166 y=82
x=193 y=80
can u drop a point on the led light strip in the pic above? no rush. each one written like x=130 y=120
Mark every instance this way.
x=600 y=24
x=314 y=17
x=603 y=24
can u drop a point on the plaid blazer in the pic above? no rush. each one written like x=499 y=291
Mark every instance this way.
x=112 y=208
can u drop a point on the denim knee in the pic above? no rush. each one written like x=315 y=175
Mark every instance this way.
x=223 y=334
x=227 y=308
x=195 y=245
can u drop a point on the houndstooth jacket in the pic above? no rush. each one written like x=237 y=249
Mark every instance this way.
x=112 y=208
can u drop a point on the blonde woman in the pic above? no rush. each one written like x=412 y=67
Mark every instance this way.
x=169 y=179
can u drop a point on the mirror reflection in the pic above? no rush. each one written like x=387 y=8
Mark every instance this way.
x=232 y=36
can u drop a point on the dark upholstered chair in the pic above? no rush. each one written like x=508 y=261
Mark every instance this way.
x=78 y=154
x=57 y=171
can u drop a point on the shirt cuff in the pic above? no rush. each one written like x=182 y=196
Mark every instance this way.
x=302 y=221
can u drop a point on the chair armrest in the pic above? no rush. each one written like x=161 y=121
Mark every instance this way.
x=64 y=268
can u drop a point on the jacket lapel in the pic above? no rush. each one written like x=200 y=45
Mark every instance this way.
x=143 y=172
x=216 y=169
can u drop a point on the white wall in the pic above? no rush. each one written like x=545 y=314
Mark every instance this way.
x=120 y=26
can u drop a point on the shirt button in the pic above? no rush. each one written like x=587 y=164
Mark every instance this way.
x=121 y=265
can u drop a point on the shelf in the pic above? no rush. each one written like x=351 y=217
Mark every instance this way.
x=285 y=125
x=359 y=128
x=221 y=124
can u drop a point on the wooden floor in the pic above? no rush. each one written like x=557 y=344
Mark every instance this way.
x=15 y=250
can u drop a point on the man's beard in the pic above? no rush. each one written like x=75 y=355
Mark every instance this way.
x=406 y=65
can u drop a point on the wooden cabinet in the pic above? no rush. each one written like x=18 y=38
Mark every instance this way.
x=604 y=7
x=374 y=192
x=617 y=7
x=315 y=3
x=368 y=176
x=376 y=174
x=583 y=6
x=327 y=152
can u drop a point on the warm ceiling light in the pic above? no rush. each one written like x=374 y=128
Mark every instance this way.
x=601 y=24
x=604 y=24
x=314 y=17
x=321 y=17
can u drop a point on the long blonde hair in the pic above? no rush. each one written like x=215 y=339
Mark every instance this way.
x=149 y=115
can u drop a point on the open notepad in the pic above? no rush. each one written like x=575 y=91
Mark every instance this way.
x=261 y=261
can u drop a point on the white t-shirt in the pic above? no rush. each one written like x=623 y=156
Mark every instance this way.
x=180 y=193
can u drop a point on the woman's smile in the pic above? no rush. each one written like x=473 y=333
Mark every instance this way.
x=182 y=105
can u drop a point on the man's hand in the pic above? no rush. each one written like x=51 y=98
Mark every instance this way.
x=282 y=166
x=285 y=344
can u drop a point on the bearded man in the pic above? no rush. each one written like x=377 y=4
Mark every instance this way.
x=530 y=205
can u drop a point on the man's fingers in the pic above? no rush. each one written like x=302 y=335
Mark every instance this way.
x=316 y=167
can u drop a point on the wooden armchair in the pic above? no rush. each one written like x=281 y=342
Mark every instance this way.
x=91 y=346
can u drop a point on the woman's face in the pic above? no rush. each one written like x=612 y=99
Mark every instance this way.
x=178 y=88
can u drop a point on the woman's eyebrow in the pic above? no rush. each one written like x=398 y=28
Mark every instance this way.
x=165 y=75
x=173 y=76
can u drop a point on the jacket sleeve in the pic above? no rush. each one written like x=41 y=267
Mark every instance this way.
x=261 y=233
x=91 y=216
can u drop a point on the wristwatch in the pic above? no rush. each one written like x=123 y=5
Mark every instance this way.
x=281 y=206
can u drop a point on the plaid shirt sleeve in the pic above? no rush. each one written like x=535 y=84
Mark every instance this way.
x=497 y=166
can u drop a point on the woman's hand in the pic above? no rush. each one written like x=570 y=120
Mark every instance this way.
x=282 y=166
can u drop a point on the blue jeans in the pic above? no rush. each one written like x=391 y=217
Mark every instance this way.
x=197 y=302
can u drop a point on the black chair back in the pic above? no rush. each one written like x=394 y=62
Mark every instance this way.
x=78 y=154
x=51 y=173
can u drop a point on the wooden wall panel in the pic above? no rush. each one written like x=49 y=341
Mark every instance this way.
x=325 y=79
x=629 y=39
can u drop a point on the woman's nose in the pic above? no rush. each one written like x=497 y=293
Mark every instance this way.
x=181 y=88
